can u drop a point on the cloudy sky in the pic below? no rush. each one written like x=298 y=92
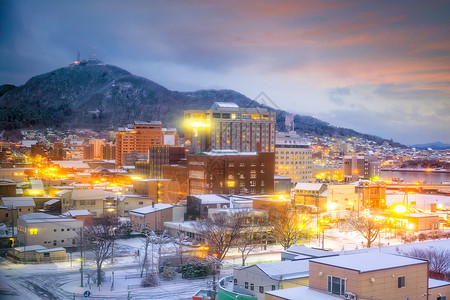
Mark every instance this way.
x=379 y=67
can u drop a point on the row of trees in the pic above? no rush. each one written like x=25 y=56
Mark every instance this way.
x=285 y=226
x=245 y=230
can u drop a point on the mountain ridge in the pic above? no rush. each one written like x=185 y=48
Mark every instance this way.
x=102 y=96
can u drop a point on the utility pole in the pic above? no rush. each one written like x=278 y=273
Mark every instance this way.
x=81 y=254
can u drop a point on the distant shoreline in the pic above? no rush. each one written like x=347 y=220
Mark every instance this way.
x=415 y=170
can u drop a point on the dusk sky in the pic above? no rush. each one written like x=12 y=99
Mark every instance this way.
x=379 y=67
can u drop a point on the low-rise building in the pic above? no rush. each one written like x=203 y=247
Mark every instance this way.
x=373 y=275
x=7 y=188
x=23 y=205
x=47 y=230
x=311 y=194
x=37 y=254
x=198 y=205
x=154 y=216
x=260 y=278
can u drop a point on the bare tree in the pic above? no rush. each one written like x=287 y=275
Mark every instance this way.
x=368 y=227
x=287 y=226
x=439 y=260
x=99 y=239
x=251 y=234
x=179 y=243
x=220 y=232
x=143 y=265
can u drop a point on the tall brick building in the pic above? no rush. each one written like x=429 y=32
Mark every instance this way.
x=231 y=172
x=139 y=138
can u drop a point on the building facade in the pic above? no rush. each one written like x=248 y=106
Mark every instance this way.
x=230 y=127
x=357 y=167
x=160 y=156
x=137 y=138
x=293 y=157
x=231 y=172
x=47 y=230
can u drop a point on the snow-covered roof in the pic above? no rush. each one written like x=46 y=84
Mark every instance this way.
x=300 y=292
x=218 y=105
x=309 y=252
x=52 y=220
x=37 y=185
x=287 y=269
x=71 y=164
x=90 y=194
x=434 y=283
x=150 y=209
x=77 y=212
x=226 y=152
x=212 y=199
x=308 y=186
x=62 y=192
x=147 y=123
x=36 y=216
x=50 y=202
x=368 y=262
x=50 y=250
x=30 y=248
x=16 y=202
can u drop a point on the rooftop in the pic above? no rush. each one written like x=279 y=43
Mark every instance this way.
x=219 y=105
x=212 y=199
x=434 y=283
x=78 y=212
x=227 y=152
x=285 y=269
x=308 y=186
x=367 y=262
x=305 y=292
x=149 y=209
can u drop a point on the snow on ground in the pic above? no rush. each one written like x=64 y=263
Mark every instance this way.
x=62 y=280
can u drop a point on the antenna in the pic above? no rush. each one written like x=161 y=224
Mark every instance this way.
x=78 y=55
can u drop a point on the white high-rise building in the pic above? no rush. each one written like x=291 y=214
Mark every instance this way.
x=293 y=157
x=226 y=126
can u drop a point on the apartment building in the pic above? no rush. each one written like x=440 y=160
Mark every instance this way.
x=231 y=172
x=293 y=157
x=230 y=127
x=138 y=138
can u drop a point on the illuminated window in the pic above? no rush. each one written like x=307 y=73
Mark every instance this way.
x=33 y=231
